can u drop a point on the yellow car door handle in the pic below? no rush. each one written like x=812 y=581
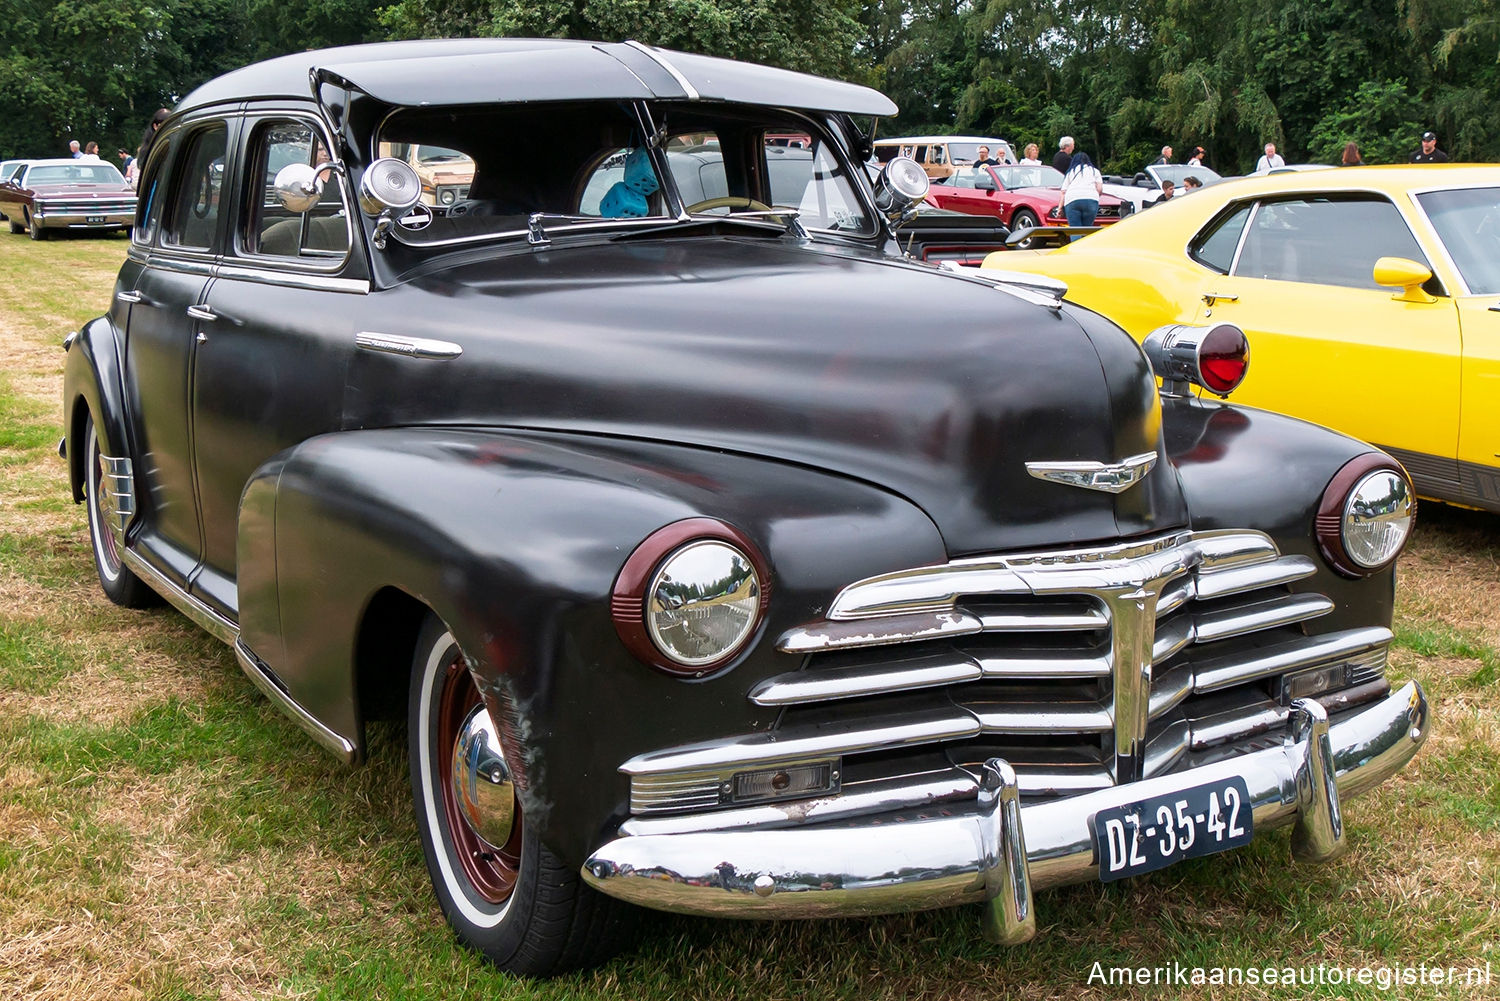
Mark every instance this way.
x=1209 y=298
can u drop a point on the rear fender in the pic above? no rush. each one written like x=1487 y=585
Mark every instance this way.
x=93 y=383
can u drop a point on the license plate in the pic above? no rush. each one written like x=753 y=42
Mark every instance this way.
x=1156 y=832
x=95 y=218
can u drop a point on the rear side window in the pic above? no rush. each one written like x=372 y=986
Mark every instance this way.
x=152 y=187
x=196 y=199
x=1216 y=246
x=1325 y=241
x=321 y=234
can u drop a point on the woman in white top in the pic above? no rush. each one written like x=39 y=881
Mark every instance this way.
x=1082 y=185
x=1032 y=157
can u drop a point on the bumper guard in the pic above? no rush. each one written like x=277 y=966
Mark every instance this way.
x=996 y=850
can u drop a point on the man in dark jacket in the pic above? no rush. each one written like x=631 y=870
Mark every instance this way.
x=1429 y=153
x=1064 y=154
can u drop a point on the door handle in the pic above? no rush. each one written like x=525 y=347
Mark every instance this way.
x=131 y=297
x=1209 y=298
x=201 y=313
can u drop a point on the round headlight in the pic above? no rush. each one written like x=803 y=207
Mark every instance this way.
x=1377 y=518
x=703 y=602
x=690 y=598
x=1366 y=516
x=447 y=196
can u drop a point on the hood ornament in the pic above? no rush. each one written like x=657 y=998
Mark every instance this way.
x=1110 y=477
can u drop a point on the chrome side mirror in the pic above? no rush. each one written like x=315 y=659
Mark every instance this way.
x=900 y=185
x=299 y=186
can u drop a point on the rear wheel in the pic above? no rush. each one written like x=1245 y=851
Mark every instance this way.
x=119 y=583
x=16 y=227
x=503 y=892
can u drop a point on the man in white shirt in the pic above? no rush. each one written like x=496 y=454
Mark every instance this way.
x=1270 y=161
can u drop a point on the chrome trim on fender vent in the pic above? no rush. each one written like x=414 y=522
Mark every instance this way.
x=411 y=347
x=1084 y=668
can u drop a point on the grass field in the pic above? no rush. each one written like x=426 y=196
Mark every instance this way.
x=165 y=833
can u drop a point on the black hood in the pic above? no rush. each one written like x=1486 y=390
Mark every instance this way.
x=933 y=386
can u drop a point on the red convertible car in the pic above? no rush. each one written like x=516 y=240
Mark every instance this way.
x=67 y=194
x=1019 y=194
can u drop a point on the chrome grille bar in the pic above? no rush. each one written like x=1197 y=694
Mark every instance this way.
x=864 y=679
x=1240 y=667
x=1042 y=717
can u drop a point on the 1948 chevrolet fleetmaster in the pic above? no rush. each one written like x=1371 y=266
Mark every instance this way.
x=723 y=558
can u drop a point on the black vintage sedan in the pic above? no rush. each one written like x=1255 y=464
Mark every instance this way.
x=722 y=557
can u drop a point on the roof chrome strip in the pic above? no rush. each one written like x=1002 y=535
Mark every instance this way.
x=654 y=56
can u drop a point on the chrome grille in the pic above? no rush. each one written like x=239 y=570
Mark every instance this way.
x=1082 y=668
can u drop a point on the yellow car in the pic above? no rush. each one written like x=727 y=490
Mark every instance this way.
x=1370 y=296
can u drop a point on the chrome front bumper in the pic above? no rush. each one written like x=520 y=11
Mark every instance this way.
x=996 y=849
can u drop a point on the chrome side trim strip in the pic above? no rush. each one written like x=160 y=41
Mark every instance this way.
x=411 y=347
x=880 y=865
x=341 y=747
x=202 y=616
x=761 y=749
x=656 y=57
x=296 y=279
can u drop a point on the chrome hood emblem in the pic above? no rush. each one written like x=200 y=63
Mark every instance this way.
x=1110 y=477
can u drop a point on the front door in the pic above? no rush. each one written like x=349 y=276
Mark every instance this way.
x=1326 y=343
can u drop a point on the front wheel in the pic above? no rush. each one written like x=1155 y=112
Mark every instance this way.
x=503 y=892
x=37 y=233
x=1023 y=219
x=119 y=582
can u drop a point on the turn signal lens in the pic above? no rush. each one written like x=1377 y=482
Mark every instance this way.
x=1366 y=516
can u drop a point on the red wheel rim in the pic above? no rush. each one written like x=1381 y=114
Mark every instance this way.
x=492 y=871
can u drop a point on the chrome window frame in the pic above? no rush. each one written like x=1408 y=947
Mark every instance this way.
x=255 y=120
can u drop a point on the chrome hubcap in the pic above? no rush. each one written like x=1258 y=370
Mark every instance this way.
x=482 y=785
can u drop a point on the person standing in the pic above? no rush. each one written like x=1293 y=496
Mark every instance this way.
x=1082 y=185
x=149 y=136
x=1165 y=158
x=90 y=152
x=1196 y=160
x=984 y=159
x=1351 y=156
x=74 y=151
x=1270 y=161
x=1033 y=157
x=1064 y=157
x=1429 y=153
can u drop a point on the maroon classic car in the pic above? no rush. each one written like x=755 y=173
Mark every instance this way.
x=67 y=194
x=1020 y=195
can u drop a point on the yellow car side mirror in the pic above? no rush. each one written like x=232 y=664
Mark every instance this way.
x=1407 y=275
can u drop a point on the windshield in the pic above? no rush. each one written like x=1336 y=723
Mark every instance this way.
x=1029 y=177
x=91 y=173
x=1468 y=222
x=587 y=166
x=1175 y=172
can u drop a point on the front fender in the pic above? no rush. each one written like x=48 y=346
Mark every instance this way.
x=515 y=540
x=93 y=383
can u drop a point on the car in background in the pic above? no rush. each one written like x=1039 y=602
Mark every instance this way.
x=1145 y=187
x=45 y=195
x=446 y=174
x=1021 y=197
x=8 y=167
x=1369 y=296
x=940 y=156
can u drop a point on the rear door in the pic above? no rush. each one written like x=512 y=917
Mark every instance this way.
x=1326 y=343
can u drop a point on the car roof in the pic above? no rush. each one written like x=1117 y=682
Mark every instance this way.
x=458 y=71
x=64 y=161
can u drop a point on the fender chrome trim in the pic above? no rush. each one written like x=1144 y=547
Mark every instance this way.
x=265 y=679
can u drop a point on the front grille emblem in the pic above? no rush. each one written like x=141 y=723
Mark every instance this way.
x=1110 y=477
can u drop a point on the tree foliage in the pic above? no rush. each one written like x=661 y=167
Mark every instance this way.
x=1124 y=77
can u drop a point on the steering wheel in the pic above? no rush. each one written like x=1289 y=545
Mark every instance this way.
x=728 y=201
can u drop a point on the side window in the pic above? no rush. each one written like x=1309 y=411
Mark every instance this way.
x=1215 y=247
x=321 y=234
x=198 y=191
x=1325 y=241
x=152 y=187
